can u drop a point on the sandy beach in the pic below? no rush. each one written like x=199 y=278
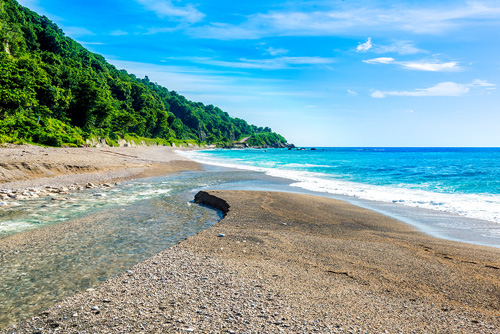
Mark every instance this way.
x=25 y=166
x=277 y=262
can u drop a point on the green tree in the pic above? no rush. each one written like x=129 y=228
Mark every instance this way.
x=78 y=94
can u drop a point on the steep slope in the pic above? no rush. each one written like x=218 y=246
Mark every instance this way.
x=53 y=91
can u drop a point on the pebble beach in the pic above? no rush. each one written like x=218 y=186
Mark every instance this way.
x=277 y=262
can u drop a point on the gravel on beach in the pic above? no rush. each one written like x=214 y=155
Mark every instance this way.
x=292 y=263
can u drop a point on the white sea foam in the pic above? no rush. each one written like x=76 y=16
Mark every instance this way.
x=296 y=165
x=478 y=206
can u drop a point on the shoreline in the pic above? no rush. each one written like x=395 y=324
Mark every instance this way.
x=289 y=262
x=432 y=221
x=294 y=263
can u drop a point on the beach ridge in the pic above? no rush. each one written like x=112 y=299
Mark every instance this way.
x=28 y=166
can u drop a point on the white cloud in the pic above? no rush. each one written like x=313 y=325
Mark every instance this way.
x=441 y=89
x=377 y=94
x=381 y=60
x=118 y=33
x=363 y=47
x=354 y=20
x=482 y=83
x=152 y=31
x=76 y=32
x=401 y=47
x=264 y=64
x=165 y=8
x=91 y=43
x=276 y=52
x=183 y=79
x=432 y=67
x=351 y=92
x=422 y=65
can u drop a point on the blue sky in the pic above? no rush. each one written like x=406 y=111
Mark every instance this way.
x=322 y=73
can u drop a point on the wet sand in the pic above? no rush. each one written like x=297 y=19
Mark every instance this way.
x=293 y=263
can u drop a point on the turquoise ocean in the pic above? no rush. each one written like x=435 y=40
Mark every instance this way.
x=448 y=192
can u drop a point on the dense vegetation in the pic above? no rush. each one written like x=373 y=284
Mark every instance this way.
x=55 y=92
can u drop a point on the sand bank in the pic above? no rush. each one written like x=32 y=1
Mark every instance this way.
x=294 y=263
x=27 y=166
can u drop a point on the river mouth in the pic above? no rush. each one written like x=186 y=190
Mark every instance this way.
x=52 y=250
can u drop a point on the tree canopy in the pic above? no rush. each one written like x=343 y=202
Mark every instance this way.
x=53 y=91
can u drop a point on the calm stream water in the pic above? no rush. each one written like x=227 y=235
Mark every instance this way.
x=134 y=221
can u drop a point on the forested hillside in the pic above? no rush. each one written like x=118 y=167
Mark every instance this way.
x=55 y=92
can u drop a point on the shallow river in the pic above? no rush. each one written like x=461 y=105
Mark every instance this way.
x=105 y=236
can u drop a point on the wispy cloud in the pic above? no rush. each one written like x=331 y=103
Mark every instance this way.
x=158 y=30
x=482 y=83
x=264 y=64
x=118 y=33
x=165 y=8
x=91 y=43
x=441 y=89
x=276 y=52
x=183 y=79
x=351 y=92
x=420 y=65
x=363 y=47
x=76 y=32
x=400 y=47
x=433 y=19
x=381 y=60
x=431 y=66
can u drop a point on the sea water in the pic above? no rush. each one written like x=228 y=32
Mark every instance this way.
x=448 y=192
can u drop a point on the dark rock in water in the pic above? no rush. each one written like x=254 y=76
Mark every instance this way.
x=313 y=149
x=203 y=197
